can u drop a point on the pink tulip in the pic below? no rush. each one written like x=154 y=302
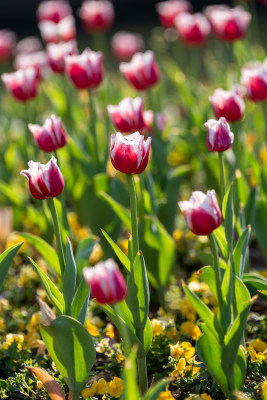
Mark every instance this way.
x=28 y=45
x=56 y=54
x=45 y=180
x=227 y=23
x=7 y=44
x=37 y=60
x=202 y=212
x=106 y=282
x=53 y=11
x=193 y=29
x=129 y=154
x=49 y=137
x=128 y=115
x=142 y=71
x=85 y=70
x=149 y=118
x=219 y=137
x=125 y=45
x=97 y=16
x=228 y=104
x=64 y=31
x=168 y=11
x=254 y=79
x=23 y=84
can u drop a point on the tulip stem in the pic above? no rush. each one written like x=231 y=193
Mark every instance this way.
x=222 y=175
x=93 y=126
x=264 y=114
x=61 y=258
x=133 y=204
x=142 y=374
x=216 y=267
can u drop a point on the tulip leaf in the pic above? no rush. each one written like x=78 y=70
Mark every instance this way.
x=52 y=291
x=255 y=282
x=228 y=213
x=227 y=295
x=71 y=348
x=131 y=391
x=241 y=252
x=219 y=234
x=45 y=249
x=6 y=259
x=69 y=278
x=119 y=253
x=118 y=208
x=147 y=335
x=80 y=302
x=154 y=392
x=83 y=252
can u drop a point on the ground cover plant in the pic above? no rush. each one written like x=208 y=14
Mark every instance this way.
x=133 y=260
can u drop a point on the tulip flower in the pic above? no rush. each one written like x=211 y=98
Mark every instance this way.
x=56 y=54
x=142 y=71
x=53 y=11
x=7 y=44
x=128 y=115
x=129 y=154
x=45 y=180
x=193 y=29
x=229 y=24
x=106 y=282
x=152 y=118
x=125 y=45
x=37 y=60
x=97 y=16
x=85 y=70
x=52 y=32
x=28 y=45
x=202 y=212
x=49 y=137
x=219 y=137
x=169 y=10
x=228 y=104
x=254 y=79
x=23 y=84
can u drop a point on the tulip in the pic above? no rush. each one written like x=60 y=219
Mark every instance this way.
x=53 y=11
x=56 y=54
x=254 y=79
x=150 y=118
x=97 y=16
x=129 y=154
x=202 y=212
x=125 y=45
x=229 y=24
x=142 y=71
x=193 y=29
x=37 y=60
x=23 y=84
x=85 y=70
x=45 y=180
x=219 y=137
x=28 y=45
x=128 y=115
x=54 y=33
x=49 y=137
x=169 y=10
x=228 y=104
x=7 y=44
x=106 y=282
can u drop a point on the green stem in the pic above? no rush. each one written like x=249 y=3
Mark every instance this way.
x=142 y=374
x=264 y=114
x=123 y=330
x=61 y=258
x=93 y=126
x=222 y=175
x=216 y=267
x=133 y=204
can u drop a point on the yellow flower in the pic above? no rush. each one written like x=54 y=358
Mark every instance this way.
x=190 y=329
x=180 y=368
x=205 y=396
x=193 y=369
x=263 y=154
x=120 y=357
x=89 y=392
x=2 y=324
x=33 y=325
x=167 y=395
x=101 y=386
x=123 y=245
x=92 y=329
x=11 y=338
x=96 y=254
x=177 y=236
x=110 y=331
x=185 y=350
x=186 y=309
x=157 y=326
x=264 y=273
x=115 y=387
x=175 y=158
x=32 y=340
x=254 y=356
x=259 y=345
x=102 y=346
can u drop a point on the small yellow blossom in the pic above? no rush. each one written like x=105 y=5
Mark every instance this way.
x=254 y=356
x=92 y=329
x=2 y=324
x=102 y=346
x=205 y=396
x=123 y=245
x=192 y=369
x=32 y=340
x=167 y=395
x=120 y=357
x=177 y=236
x=180 y=368
x=11 y=338
x=190 y=329
x=186 y=309
x=33 y=325
x=185 y=349
x=89 y=392
x=96 y=254
x=110 y=331
x=175 y=158
x=115 y=387
x=97 y=321
x=101 y=386
x=157 y=326
x=259 y=345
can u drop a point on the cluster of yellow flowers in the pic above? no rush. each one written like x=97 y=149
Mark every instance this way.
x=257 y=350
x=113 y=388
x=12 y=338
x=167 y=395
x=203 y=396
x=76 y=228
x=186 y=364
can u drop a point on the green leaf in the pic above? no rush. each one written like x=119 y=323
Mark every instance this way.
x=227 y=294
x=228 y=213
x=147 y=336
x=255 y=282
x=69 y=278
x=72 y=349
x=119 y=209
x=131 y=391
x=80 y=302
x=154 y=392
x=52 y=291
x=11 y=194
x=6 y=259
x=83 y=252
x=44 y=248
x=240 y=252
x=119 y=253
x=219 y=234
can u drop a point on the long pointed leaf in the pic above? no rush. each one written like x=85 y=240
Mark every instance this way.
x=6 y=259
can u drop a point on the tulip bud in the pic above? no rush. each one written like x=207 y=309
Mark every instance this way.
x=129 y=154
x=23 y=84
x=56 y=54
x=254 y=79
x=47 y=315
x=168 y=11
x=128 y=115
x=49 y=137
x=142 y=71
x=53 y=11
x=52 y=32
x=97 y=16
x=193 y=29
x=37 y=60
x=7 y=44
x=45 y=180
x=85 y=70
x=125 y=45
x=106 y=281
x=228 y=104
x=202 y=212
x=219 y=137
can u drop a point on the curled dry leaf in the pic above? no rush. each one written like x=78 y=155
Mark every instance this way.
x=53 y=388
